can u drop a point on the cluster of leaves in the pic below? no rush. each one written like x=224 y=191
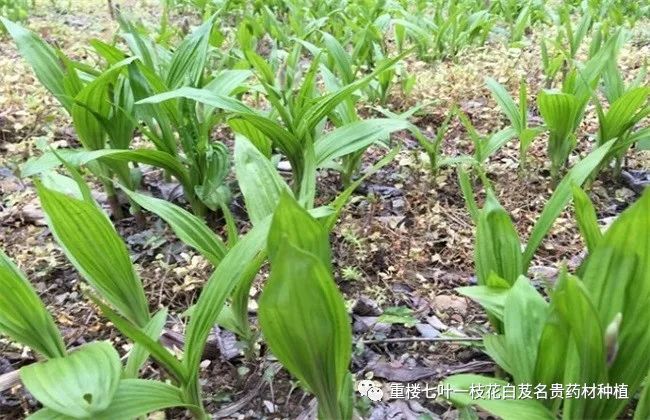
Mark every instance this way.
x=286 y=82
x=563 y=109
x=170 y=98
x=91 y=380
x=173 y=98
x=585 y=329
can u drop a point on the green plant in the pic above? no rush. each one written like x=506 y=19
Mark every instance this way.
x=484 y=147
x=563 y=110
x=351 y=273
x=498 y=247
x=99 y=102
x=627 y=107
x=432 y=147
x=619 y=121
x=588 y=332
x=551 y=64
x=398 y=315
x=295 y=123
x=110 y=107
x=573 y=36
x=261 y=186
x=441 y=30
x=302 y=313
x=518 y=116
x=95 y=249
x=88 y=381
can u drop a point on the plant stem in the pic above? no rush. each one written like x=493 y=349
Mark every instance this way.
x=198 y=208
x=193 y=394
x=113 y=201
x=618 y=166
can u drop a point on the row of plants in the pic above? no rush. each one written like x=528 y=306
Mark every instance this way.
x=170 y=99
x=151 y=103
x=533 y=335
x=584 y=328
x=91 y=381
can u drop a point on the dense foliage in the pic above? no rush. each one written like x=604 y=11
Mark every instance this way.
x=287 y=81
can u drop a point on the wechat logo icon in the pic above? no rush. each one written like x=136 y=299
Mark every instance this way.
x=370 y=389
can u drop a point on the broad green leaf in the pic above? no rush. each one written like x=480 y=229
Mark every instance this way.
x=188 y=61
x=588 y=366
x=284 y=139
x=497 y=140
x=302 y=313
x=528 y=135
x=204 y=96
x=623 y=113
x=263 y=70
x=76 y=157
x=132 y=399
x=212 y=189
x=139 y=353
x=560 y=113
x=552 y=350
x=189 y=228
x=74 y=186
x=256 y=136
x=506 y=103
x=322 y=106
x=94 y=101
x=142 y=338
x=92 y=245
x=225 y=83
x=355 y=136
x=122 y=123
x=43 y=59
x=258 y=179
x=238 y=309
x=524 y=315
x=309 y=235
x=110 y=53
x=561 y=197
x=468 y=194
x=345 y=112
x=496 y=347
x=613 y=83
x=643 y=407
x=586 y=218
x=339 y=56
x=141 y=46
x=492 y=299
x=138 y=397
x=23 y=316
x=504 y=408
x=498 y=249
x=219 y=286
x=78 y=385
x=592 y=70
x=617 y=277
x=307 y=188
x=157 y=118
